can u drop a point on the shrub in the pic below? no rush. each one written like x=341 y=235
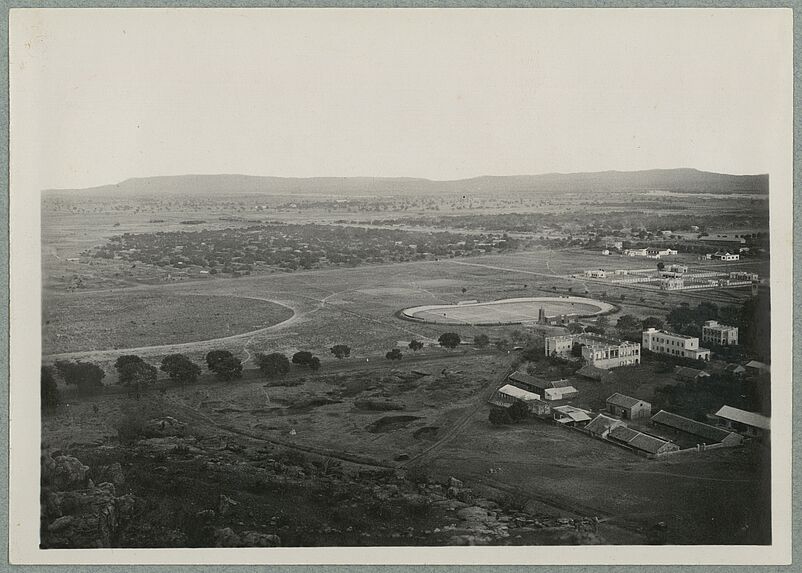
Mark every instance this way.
x=449 y=340
x=394 y=354
x=86 y=376
x=273 y=365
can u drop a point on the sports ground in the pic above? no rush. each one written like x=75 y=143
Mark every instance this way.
x=507 y=311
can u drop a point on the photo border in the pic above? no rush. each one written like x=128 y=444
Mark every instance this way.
x=4 y=251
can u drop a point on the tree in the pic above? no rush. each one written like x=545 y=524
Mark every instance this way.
x=341 y=351
x=623 y=297
x=314 y=363
x=302 y=358
x=394 y=354
x=449 y=340
x=652 y=322
x=661 y=265
x=518 y=411
x=464 y=290
x=49 y=392
x=602 y=322
x=415 y=345
x=216 y=356
x=481 y=340
x=576 y=350
x=180 y=368
x=575 y=328
x=135 y=373
x=87 y=377
x=229 y=368
x=499 y=416
x=272 y=365
x=628 y=322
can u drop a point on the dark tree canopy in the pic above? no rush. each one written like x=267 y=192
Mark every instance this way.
x=87 y=377
x=216 y=356
x=180 y=368
x=229 y=368
x=652 y=322
x=272 y=365
x=481 y=340
x=518 y=411
x=50 y=395
x=302 y=357
x=628 y=322
x=415 y=345
x=499 y=416
x=661 y=265
x=394 y=354
x=449 y=340
x=341 y=351
x=314 y=363
x=575 y=328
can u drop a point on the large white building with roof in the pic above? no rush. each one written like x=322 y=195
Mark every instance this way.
x=673 y=344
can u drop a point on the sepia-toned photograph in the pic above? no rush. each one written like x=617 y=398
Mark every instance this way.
x=302 y=280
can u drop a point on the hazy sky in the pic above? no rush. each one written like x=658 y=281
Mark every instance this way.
x=100 y=96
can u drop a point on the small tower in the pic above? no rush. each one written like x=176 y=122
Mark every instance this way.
x=541 y=315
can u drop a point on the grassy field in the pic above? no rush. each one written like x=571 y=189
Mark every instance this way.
x=506 y=311
x=125 y=319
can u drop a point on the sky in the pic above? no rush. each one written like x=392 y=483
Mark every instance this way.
x=99 y=96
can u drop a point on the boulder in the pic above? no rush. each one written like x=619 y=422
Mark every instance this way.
x=64 y=473
x=226 y=503
x=256 y=539
x=164 y=426
x=115 y=474
x=226 y=538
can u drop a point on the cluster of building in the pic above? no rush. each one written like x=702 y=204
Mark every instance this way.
x=628 y=421
x=598 y=351
x=676 y=277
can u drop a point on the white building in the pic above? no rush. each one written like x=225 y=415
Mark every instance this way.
x=725 y=256
x=721 y=334
x=596 y=274
x=598 y=351
x=672 y=283
x=673 y=344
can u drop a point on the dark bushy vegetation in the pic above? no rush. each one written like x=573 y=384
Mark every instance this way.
x=273 y=365
x=180 y=368
x=87 y=377
x=49 y=390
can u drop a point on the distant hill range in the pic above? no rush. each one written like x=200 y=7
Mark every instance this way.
x=675 y=180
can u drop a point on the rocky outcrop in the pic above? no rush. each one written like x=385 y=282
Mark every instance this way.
x=164 y=426
x=75 y=512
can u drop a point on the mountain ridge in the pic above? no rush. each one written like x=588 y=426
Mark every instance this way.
x=680 y=179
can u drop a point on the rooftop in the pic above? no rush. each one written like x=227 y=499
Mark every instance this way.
x=516 y=392
x=637 y=440
x=623 y=401
x=668 y=333
x=689 y=426
x=742 y=416
x=601 y=423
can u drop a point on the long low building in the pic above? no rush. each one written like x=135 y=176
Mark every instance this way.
x=640 y=442
x=750 y=424
x=704 y=433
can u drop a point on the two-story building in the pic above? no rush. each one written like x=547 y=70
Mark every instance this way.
x=673 y=344
x=598 y=351
x=721 y=334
